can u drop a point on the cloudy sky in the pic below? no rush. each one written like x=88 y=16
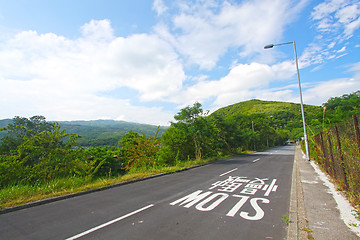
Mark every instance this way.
x=144 y=60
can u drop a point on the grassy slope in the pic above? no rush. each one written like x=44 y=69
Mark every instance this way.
x=22 y=194
x=259 y=106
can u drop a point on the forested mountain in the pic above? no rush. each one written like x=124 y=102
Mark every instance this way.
x=106 y=132
x=100 y=132
x=4 y=123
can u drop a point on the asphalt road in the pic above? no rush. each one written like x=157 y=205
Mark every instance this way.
x=240 y=198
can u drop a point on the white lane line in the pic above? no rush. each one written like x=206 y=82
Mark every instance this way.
x=108 y=223
x=228 y=172
x=256 y=160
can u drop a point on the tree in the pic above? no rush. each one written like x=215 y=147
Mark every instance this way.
x=192 y=119
x=139 y=151
x=189 y=115
x=47 y=154
x=102 y=161
x=130 y=138
x=41 y=155
x=194 y=135
x=176 y=145
x=22 y=128
x=340 y=108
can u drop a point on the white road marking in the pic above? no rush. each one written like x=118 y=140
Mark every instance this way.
x=108 y=223
x=271 y=188
x=228 y=172
x=256 y=160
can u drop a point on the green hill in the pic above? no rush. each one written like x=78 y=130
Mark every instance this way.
x=335 y=110
x=106 y=132
x=4 y=123
x=270 y=108
x=99 y=132
x=279 y=115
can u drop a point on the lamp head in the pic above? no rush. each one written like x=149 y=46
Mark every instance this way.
x=269 y=46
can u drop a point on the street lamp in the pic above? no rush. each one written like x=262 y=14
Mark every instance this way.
x=301 y=99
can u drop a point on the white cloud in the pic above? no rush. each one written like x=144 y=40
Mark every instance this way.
x=254 y=81
x=341 y=17
x=98 y=30
x=343 y=49
x=323 y=91
x=62 y=78
x=205 y=31
x=243 y=82
x=326 y=8
x=338 y=15
x=314 y=54
x=94 y=75
x=336 y=22
x=159 y=7
x=145 y=63
x=315 y=93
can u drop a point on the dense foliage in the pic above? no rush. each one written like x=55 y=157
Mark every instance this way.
x=282 y=117
x=36 y=151
x=99 y=133
x=193 y=136
x=139 y=151
x=339 y=108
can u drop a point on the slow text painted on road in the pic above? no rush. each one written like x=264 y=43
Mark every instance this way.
x=254 y=192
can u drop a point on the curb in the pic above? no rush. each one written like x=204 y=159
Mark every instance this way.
x=293 y=225
x=72 y=195
x=301 y=213
x=297 y=214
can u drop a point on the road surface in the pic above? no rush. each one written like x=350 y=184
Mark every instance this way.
x=244 y=197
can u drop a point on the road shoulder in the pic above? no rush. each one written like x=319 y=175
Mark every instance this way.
x=321 y=216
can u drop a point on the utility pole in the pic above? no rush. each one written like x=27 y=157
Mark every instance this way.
x=252 y=125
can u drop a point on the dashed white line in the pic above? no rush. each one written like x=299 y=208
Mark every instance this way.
x=228 y=172
x=256 y=160
x=108 y=223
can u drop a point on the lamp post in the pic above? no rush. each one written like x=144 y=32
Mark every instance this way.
x=301 y=99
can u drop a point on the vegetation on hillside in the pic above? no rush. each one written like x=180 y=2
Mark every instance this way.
x=99 y=133
x=339 y=108
x=277 y=115
x=34 y=152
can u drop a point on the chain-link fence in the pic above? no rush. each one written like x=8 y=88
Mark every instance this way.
x=338 y=152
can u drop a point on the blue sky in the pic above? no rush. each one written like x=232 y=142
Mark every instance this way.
x=143 y=60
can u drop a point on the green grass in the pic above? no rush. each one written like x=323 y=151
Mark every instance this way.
x=22 y=194
x=286 y=219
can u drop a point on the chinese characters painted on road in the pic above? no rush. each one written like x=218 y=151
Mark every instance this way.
x=241 y=188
